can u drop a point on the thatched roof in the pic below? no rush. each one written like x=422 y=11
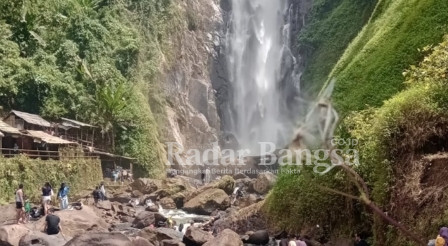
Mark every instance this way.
x=74 y=123
x=33 y=119
x=5 y=128
x=47 y=138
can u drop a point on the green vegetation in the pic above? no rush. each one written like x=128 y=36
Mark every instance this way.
x=333 y=25
x=403 y=129
x=88 y=59
x=79 y=174
x=300 y=195
x=397 y=119
x=392 y=140
x=370 y=71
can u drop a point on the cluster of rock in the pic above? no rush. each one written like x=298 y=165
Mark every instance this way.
x=131 y=215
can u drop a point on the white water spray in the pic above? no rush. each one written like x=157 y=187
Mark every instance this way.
x=258 y=42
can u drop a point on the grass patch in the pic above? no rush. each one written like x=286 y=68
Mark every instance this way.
x=370 y=71
x=332 y=26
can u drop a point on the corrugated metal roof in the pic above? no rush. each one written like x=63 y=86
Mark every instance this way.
x=98 y=152
x=74 y=123
x=31 y=118
x=5 y=128
x=47 y=138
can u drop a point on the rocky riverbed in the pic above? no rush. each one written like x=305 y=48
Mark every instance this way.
x=136 y=214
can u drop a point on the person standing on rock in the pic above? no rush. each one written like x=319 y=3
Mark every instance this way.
x=52 y=223
x=115 y=175
x=203 y=177
x=96 y=195
x=63 y=196
x=46 y=196
x=103 y=191
x=19 y=205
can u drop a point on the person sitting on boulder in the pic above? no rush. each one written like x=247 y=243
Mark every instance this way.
x=52 y=223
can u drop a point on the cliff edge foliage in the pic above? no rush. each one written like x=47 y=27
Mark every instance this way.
x=93 y=60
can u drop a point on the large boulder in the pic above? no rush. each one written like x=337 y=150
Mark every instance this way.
x=159 y=234
x=176 y=184
x=123 y=198
x=145 y=185
x=75 y=222
x=264 y=182
x=106 y=205
x=251 y=218
x=146 y=218
x=167 y=203
x=226 y=238
x=226 y=183
x=171 y=242
x=196 y=237
x=179 y=199
x=36 y=238
x=258 y=238
x=247 y=200
x=11 y=234
x=122 y=210
x=139 y=241
x=100 y=239
x=237 y=176
x=207 y=202
x=152 y=208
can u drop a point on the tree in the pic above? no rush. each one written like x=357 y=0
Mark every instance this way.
x=110 y=102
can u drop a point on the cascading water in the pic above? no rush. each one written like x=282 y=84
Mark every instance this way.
x=259 y=62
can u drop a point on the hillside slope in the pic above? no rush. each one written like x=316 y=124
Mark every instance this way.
x=328 y=33
x=370 y=70
x=400 y=122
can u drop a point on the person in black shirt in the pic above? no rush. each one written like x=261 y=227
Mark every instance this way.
x=52 y=223
x=96 y=195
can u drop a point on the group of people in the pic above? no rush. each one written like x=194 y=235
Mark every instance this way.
x=99 y=194
x=23 y=205
x=121 y=174
x=25 y=211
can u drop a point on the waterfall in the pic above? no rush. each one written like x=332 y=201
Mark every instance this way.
x=260 y=63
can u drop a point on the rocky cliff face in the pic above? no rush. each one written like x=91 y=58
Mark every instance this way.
x=192 y=117
x=197 y=87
